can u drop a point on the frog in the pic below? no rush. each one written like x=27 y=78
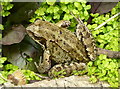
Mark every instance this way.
x=62 y=47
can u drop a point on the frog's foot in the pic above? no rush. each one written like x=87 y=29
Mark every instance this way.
x=45 y=65
x=65 y=69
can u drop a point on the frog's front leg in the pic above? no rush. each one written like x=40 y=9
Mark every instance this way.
x=45 y=63
x=65 y=69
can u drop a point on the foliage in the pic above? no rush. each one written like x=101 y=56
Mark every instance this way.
x=2 y=60
x=30 y=75
x=104 y=68
x=1 y=27
x=61 y=11
x=10 y=68
x=106 y=37
x=6 y=6
x=59 y=74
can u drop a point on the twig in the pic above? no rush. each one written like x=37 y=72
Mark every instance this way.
x=77 y=19
x=109 y=53
x=107 y=21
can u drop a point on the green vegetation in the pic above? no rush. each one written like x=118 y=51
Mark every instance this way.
x=61 y=11
x=2 y=60
x=104 y=68
x=106 y=37
x=6 y=6
x=1 y=27
x=9 y=69
x=59 y=74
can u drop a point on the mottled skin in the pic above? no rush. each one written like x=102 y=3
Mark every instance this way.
x=60 y=45
x=85 y=36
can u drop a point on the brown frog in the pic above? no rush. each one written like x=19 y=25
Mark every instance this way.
x=61 y=47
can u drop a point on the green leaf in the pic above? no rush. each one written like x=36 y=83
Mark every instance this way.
x=97 y=62
x=83 y=4
x=71 y=7
x=40 y=11
x=56 y=9
x=2 y=81
x=103 y=78
x=90 y=63
x=94 y=26
x=115 y=24
x=86 y=17
x=1 y=27
x=93 y=79
x=109 y=28
x=64 y=1
x=1 y=65
x=3 y=59
x=104 y=72
x=75 y=11
x=78 y=5
x=101 y=45
x=81 y=15
x=101 y=67
x=91 y=70
x=9 y=6
x=32 y=20
x=48 y=18
x=10 y=67
x=89 y=26
x=64 y=8
x=85 y=13
x=105 y=63
x=56 y=16
x=50 y=9
x=50 y=2
x=113 y=11
x=102 y=56
x=87 y=7
x=5 y=13
x=112 y=65
x=67 y=17
x=29 y=59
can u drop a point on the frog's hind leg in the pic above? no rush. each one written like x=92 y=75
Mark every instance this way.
x=85 y=36
x=65 y=69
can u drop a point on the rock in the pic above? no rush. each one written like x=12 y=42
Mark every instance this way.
x=67 y=82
